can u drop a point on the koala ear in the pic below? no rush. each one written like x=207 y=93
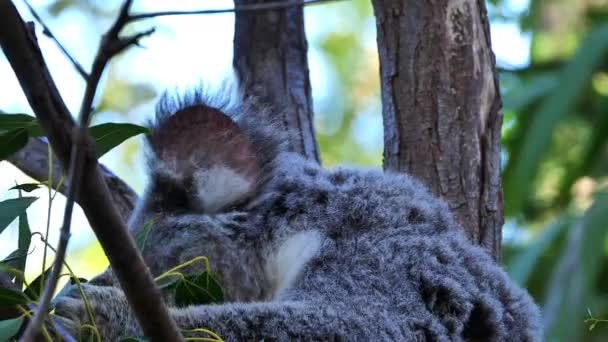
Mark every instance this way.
x=206 y=152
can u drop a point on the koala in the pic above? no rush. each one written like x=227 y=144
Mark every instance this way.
x=302 y=252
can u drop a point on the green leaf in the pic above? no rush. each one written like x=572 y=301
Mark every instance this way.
x=10 y=298
x=13 y=208
x=573 y=284
x=34 y=290
x=9 y=328
x=26 y=122
x=142 y=235
x=11 y=142
x=15 y=255
x=198 y=289
x=522 y=97
x=109 y=135
x=25 y=239
x=522 y=265
x=574 y=79
x=132 y=339
x=27 y=187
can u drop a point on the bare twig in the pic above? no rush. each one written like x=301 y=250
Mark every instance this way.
x=272 y=5
x=33 y=161
x=71 y=143
x=50 y=34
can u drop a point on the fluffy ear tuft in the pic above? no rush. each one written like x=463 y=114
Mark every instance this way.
x=206 y=152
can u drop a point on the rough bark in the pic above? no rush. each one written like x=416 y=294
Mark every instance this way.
x=441 y=106
x=271 y=63
x=33 y=161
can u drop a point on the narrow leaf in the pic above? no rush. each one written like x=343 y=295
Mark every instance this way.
x=142 y=235
x=27 y=187
x=12 y=208
x=9 y=328
x=198 y=289
x=572 y=286
x=522 y=264
x=23 y=244
x=11 y=142
x=35 y=288
x=574 y=79
x=109 y=135
x=10 y=298
x=21 y=121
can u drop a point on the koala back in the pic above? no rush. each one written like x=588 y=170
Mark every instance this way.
x=278 y=227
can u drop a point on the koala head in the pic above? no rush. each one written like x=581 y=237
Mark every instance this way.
x=207 y=156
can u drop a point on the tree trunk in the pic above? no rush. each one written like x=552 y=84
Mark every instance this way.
x=441 y=106
x=271 y=63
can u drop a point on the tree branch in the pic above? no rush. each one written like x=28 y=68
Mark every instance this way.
x=50 y=34
x=33 y=161
x=273 y=5
x=25 y=57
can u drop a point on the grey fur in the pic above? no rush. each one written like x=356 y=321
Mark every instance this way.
x=391 y=263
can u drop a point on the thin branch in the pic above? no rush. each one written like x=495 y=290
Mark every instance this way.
x=33 y=161
x=50 y=34
x=273 y=5
x=71 y=143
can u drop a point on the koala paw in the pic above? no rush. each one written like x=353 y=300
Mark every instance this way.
x=108 y=307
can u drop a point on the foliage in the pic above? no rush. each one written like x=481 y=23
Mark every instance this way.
x=194 y=288
x=555 y=141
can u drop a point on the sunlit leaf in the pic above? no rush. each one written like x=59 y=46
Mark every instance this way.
x=574 y=79
x=9 y=328
x=10 y=209
x=109 y=135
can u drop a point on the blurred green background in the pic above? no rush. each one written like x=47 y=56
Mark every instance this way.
x=553 y=65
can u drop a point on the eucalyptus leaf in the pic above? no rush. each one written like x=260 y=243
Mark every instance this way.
x=27 y=187
x=12 y=208
x=109 y=135
x=198 y=289
x=10 y=298
x=9 y=328
x=21 y=121
x=24 y=241
x=522 y=265
x=574 y=78
x=34 y=289
x=12 y=141
x=572 y=287
x=142 y=235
